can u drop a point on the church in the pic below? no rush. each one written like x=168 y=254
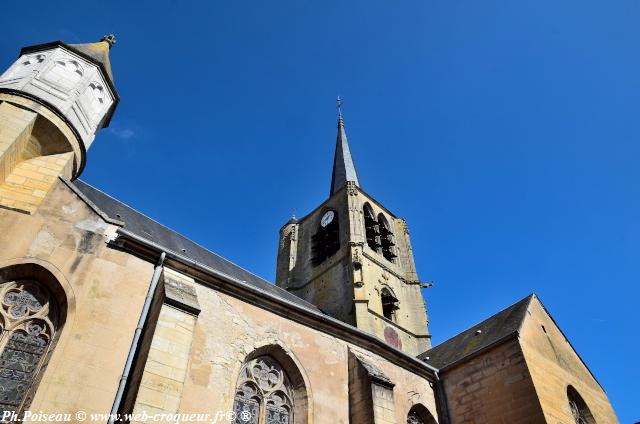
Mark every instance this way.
x=109 y=316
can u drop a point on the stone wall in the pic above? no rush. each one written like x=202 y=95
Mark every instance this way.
x=35 y=148
x=104 y=289
x=228 y=330
x=555 y=365
x=360 y=399
x=166 y=365
x=493 y=387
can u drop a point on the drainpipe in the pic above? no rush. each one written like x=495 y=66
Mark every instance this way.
x=136 y=338
x=440 y=393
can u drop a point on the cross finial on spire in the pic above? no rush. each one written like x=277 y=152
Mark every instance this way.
x=339 y=102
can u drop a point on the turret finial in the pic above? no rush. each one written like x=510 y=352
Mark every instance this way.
x=109 y=39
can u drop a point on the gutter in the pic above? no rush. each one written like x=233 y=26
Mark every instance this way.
x=290 y=306
x=136 y=339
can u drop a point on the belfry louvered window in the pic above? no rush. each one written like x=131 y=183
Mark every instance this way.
x=389 y=303
x=326 y=241
x=264 y=394
x=29 y=320
x=387 y=240
x=371 y=227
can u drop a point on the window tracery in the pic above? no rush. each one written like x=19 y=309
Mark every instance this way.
x=264 y=394
x=28 y=316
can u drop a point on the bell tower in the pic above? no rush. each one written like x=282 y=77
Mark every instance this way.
x=53 y=100
x=352 y=258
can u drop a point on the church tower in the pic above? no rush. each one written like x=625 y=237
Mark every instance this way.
x=53 y=100
x=352 y=258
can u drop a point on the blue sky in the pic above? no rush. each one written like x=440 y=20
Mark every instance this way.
x=515 y=124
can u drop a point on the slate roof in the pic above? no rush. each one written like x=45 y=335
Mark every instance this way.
x=343 y=167
x=492 y=330
x=147 y=228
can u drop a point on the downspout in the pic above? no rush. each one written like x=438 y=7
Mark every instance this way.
x=136 y=338
x=441 y=394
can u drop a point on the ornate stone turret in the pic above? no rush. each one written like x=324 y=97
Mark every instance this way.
x=53 y=100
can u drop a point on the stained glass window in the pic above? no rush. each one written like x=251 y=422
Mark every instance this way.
x=263 y=394
x=27 y=330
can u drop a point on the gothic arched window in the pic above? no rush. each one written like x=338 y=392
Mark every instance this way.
x=264 y=393
x=371 y=227
x=579 y=409
x=386 y=239
x=29 y=320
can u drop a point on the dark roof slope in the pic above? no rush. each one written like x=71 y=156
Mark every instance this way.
x=151 y=230
x=503 y=324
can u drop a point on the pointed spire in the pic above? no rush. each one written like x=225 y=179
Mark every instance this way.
x=343 y=168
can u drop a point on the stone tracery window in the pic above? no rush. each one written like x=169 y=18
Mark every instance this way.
x=264 y=394
x=28 y=324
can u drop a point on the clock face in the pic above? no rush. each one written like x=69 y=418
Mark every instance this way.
x=327 y=218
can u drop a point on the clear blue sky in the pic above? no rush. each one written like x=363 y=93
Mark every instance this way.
x=516 y=124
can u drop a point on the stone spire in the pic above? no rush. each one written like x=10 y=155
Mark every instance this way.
x=343 y=168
